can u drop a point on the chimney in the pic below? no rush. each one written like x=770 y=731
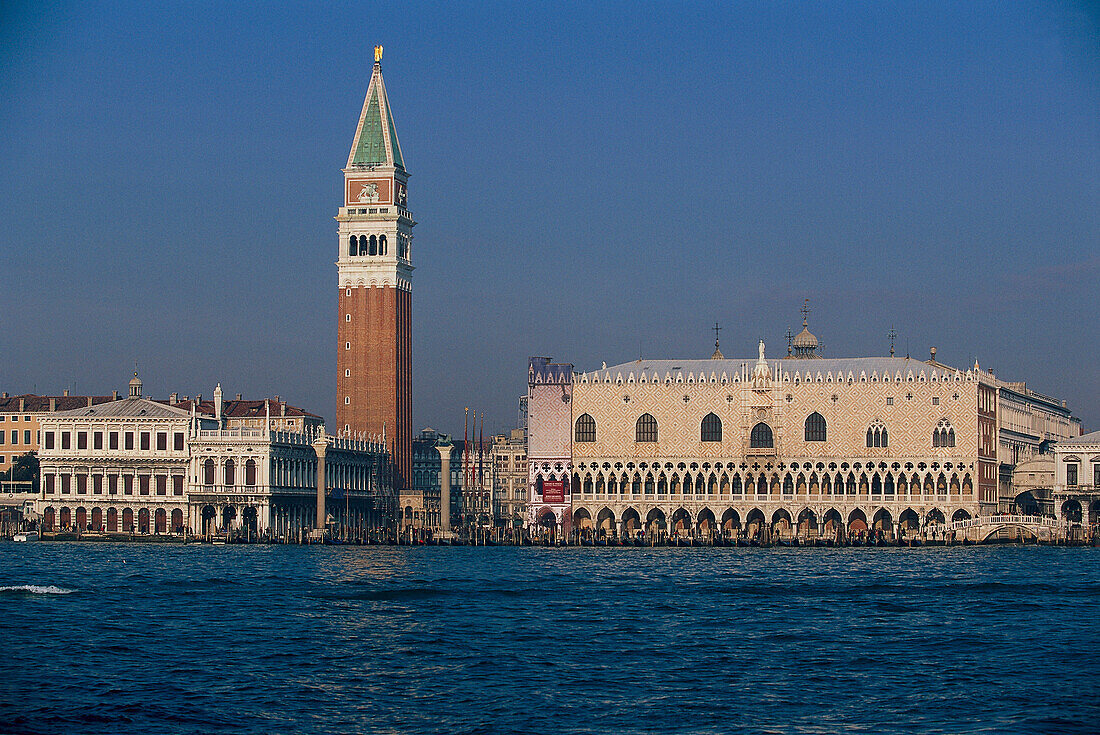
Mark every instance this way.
x=53 y=404
x=238 y=396
x=276 y=399
x=282 y=408
x=4 y=394
x=89 y=401
x=114 y=395
x=23 y=403
x=173 y=399
x=198 y=398
x=65 y=392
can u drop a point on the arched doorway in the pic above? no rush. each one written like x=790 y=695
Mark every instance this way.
x=960 y=515
x=82 y=518
x=731 y=522
x=807 y=524
x=582 y=520
x=65 y=518
x=250 y=516
x=128 y=520
x=857 y=522
x=160 y=520
x=112 y=520
x=143 y=520
x=209 y=519
x=48 y=519
x=177 y=521
x=754 y=523
x=229 y=514
x=705 y=523
x=1026 y=504
x=655 y=522
x=883 y=524
x=605 y=522
x=781 y=524
x=632 y=522
x=97 y=519
x=681 y=522
x=548 y=522
x=1071 y=511
x=833 y=522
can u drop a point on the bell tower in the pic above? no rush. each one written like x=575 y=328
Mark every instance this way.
x=374 y=350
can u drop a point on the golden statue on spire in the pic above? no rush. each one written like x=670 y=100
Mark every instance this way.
x=377 y=54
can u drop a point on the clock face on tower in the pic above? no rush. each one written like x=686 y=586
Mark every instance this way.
x=368 y=191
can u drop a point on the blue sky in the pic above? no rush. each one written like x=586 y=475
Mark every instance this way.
x=592 y=182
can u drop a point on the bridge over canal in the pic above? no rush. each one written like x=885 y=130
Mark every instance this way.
x=983 y=528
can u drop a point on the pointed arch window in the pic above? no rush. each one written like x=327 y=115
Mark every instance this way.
x=944 y=434
x=710 y=430
x=877 y=436
x=761 y=437
x=815 y=427
x=585 y=428
x=646 y=428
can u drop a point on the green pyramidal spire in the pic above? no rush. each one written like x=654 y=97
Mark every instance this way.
x=376 y=141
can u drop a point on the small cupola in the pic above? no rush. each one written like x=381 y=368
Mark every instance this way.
x=135 y=386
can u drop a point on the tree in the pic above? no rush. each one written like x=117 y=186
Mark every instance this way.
x=24 y=468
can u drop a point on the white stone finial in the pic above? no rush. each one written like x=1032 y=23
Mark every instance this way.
x=761 y=350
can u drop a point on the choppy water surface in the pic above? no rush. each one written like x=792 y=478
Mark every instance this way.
x=135 y=638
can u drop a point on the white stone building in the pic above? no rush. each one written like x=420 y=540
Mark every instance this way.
x=145 y=466
x=803 y=445
x=1076 y=495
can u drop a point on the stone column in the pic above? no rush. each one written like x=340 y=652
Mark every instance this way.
x=320 y=447
x=445 y=485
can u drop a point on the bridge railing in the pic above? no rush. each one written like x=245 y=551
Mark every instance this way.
x=1003 y=520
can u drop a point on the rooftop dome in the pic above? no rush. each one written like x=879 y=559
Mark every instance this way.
x=805 y=344
x=805 y=339
x=135 y=386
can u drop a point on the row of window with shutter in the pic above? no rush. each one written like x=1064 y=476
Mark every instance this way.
x=761 y=436
x=145 y=438
x=15 y=436
x=65 y=485
x=229 y=472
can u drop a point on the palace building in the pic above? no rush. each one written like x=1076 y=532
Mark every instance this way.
x=374 y=351
x=804 y=445
x=165 y=466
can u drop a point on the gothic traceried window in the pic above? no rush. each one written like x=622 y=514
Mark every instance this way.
x=646 y=428
x=586 y=429
x=876 y=435
x=761 y=437
x=943 y=435
x=710 y=430
x=815 y=427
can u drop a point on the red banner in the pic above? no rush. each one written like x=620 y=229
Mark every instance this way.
x=553 y=491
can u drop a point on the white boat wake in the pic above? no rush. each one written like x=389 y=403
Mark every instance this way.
x=37 y=589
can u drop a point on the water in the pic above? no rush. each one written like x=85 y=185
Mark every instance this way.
x=200 y=639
